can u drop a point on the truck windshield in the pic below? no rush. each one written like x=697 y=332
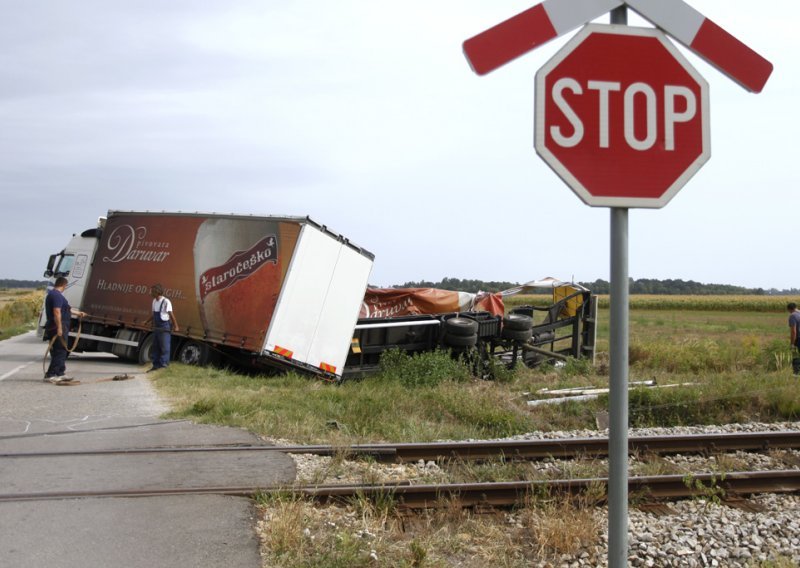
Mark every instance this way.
x=65 y=264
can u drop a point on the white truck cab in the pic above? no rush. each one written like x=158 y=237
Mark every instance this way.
x=75 y=264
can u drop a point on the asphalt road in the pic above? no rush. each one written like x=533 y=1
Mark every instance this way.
x=98 y=414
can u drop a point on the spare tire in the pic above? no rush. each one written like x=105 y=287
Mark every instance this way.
x=460 y=340
x=463 y=327
x=519 y=322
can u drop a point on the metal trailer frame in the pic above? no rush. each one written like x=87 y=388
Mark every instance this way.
x=554 y=338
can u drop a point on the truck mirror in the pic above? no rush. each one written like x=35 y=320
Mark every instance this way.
x=50 y=264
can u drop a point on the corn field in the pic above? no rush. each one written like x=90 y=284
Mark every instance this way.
x=21 y=310
x=732 y=303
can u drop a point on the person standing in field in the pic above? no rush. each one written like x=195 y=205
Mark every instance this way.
x=794 y=333
x=164 y=323
x=794 y=324
x=59 y=315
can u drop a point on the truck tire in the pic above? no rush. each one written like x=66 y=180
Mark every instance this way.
x=193 y=353
x=463 y=327
x=517 y=334
x=146 y=349
x=460 y=340
x=518 y=322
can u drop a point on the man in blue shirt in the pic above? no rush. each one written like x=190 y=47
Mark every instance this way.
x=59 y=313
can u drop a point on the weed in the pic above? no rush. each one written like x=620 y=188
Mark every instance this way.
x=422 y=369
x=727 y=462
x=419 y=553
x=649 y=464
x=712 y=493
x=577 y=367
x=381 y=506
x=582 y=468
x=560 y=525
x=493 y=470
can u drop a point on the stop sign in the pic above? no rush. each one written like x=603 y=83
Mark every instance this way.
x=622 y=117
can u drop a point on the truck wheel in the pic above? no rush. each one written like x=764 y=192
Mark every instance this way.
x=193 y=353
x=517 y=334
x=460 y=340
x=463 y=327
x=146 y=349
x=519 y=322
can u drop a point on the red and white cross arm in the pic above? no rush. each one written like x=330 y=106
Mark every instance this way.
x=529 y=29
x=708 y=40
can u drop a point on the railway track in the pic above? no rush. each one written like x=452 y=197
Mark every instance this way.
x=485 y=450
x=502 y=494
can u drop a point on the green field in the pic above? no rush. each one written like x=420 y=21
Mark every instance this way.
x=698 y=333
x=735 y=366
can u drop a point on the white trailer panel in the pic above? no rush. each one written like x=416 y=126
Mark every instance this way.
x=319 y=303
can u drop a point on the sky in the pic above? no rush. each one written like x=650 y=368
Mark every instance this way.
x=366 y=116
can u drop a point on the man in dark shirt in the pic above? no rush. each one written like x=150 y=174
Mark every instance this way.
x=59 y=314
x=794 y=324
x=794 y=333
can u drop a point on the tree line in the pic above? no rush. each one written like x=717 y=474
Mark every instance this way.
x=11 y=283
x=599 y=286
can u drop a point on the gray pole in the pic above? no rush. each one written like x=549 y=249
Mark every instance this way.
x=618 y=383
x=618 y=397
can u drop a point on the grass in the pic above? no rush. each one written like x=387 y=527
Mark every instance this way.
x=365 y=534
x=385 y=408
x=382 y=408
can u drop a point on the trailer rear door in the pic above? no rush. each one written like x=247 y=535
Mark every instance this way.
x=319 y=303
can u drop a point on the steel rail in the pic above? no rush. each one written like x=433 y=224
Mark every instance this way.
x=485 y=450
x=498 y=494
x=590 y=447
x=506 y=494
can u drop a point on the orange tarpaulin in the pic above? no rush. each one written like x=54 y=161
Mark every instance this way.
x=394 y=302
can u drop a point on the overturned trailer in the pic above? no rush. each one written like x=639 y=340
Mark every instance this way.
x=475 y=325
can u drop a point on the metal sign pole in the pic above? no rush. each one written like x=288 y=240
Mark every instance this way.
x=618 y=396
x=618 y=382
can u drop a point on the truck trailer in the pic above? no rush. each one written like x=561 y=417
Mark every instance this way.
x=265 y=291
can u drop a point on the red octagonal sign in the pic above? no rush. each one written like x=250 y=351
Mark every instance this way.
x=622 y=117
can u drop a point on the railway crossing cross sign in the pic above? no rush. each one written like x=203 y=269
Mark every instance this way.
x=622 y=117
